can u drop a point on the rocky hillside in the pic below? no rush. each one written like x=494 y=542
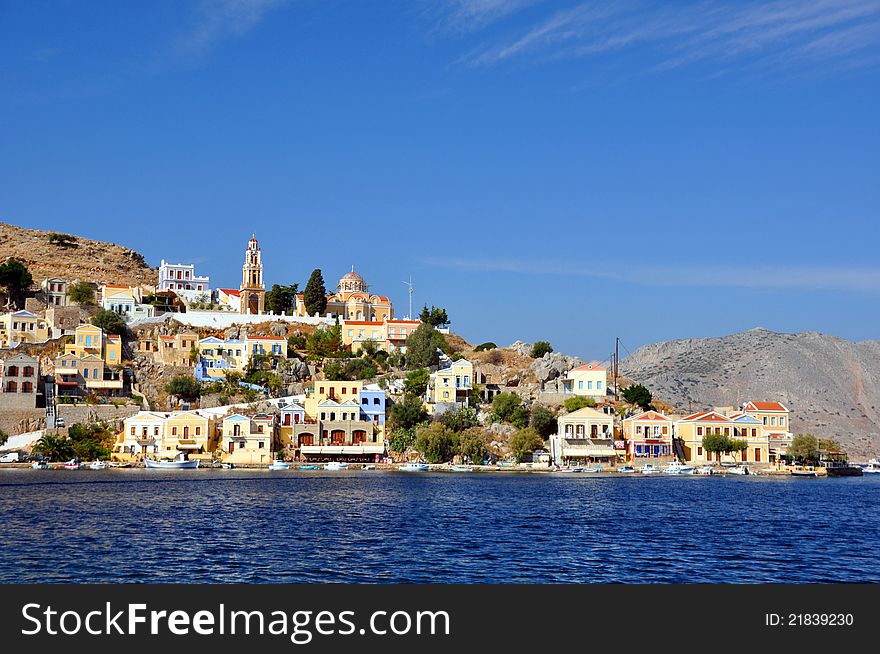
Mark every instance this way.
x=84 y=259
x=831 y=385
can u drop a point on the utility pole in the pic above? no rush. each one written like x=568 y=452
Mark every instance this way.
x=616 y=366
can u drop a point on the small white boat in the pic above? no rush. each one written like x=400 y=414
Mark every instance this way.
x=180 y=463
x=40 y=465
x=596 y=468
x=738 y=470
x=98 y=465
x=461 y=469
x=73 y=464
x=626 y=470
x=336 y=465
x=649 y=469
x=414 y=467
x=227 y=466
x=703 y=470
x=368 y=466
x=678 y=468
x=872 y=467
x=278 y=464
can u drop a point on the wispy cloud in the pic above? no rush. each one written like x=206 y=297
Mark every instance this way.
x=853 y=279
x=460 y=16
x=681 y=34
x=219 y=20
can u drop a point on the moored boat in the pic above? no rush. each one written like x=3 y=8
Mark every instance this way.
x=336 y=465
x=180 y=463
x=738 y=470
x=461 y=469
x=368 y=466
x=40 y=465
x=678 y=468
x=73 y=464
x=872 y=467
x=803 y=472
x=626 y=470
x=98 y=465
x=310 y=466
x=414 y=467
x=278 y=464
x=649 y=469
x=704 y=470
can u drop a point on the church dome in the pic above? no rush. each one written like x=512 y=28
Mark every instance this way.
x=352 y=276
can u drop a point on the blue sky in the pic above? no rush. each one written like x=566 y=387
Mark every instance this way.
x=570 y=171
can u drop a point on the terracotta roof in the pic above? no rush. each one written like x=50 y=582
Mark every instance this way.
x=589 y=366
x=230 y=291
x=402 y=321
x=361 y=322
x=706 y=416
x=266 y=338
x=651 y=415
x=765 y=406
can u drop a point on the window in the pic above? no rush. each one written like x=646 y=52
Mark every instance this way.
x=365 y=400
x=174 y=431
x=28 y=372
x=782 y=421
x=376 y=400
x=12 y=371
x=699 y=431
x=699 y=451
x=198 y=431
x=85 y=373
x=132 y=431
x=261 y=445
x=581 y=385
x=590 y=385
x=599 y=385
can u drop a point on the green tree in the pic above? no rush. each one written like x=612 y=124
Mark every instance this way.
x=325 y=342
x=62 y=240
x=638 y=395
x=281 y=299
x=525 y=441
x=435 y=316
x=578 y=402
x=540 y=348
x=184 y=387
x=422 y=347
x=482 y=347
x=54 y=446
x=110 y=322
x=3 y=437
x=461 y=419
x=543 y=421
x=82 y=293
x=509 y=408
x=473 y=444
x=436 y=442
x=416 y=382
x=15 y=279
x=296 y=342
x=829 y=445
x=401 y=439
x=315 y=295
x=90 y=441
x=407 y=413
x=804 y=448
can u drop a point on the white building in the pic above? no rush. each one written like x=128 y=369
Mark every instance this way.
x=588 y=380
x=182 y=279
x=126 y=301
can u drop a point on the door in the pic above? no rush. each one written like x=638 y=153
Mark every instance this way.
x=231 y=447
x=757 y=455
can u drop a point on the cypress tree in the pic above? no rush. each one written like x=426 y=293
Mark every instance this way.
x=315 y=295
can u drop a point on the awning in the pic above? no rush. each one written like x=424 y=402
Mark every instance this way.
x=372 y=448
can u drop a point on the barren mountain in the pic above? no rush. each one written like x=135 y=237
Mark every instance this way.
x=831 y=385
x=84 y=259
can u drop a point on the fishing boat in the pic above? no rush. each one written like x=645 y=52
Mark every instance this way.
x=278 y=464
x=872 y=467
x=119 y=464
x=310 y=466
x=336 y=465
x=738 y=470
x=649 y=469
x=626 y=470
x=803 y=472
x=40 y=465
x=98 y=465
x=414 y=467
x=462 y=469
x=180 y=463
x=678 y=468
x=73 y=464
x=595 y=469
x=704 y=470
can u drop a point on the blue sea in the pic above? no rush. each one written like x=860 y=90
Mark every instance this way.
x=256 y=526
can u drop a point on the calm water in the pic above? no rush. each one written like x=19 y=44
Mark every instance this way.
x=260 y=526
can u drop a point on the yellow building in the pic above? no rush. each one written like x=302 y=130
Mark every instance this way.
x=648 y=434
x=248 y=440
x=170 y=350
x=451 y=385
x=583 y=436
x=271 y=346
x=352 y=301
x=218 y=357
x=388 y=335
x=588 y=380
x=166 y=434
x=337 y=391
x=92 y=363
x=22 y=327
x=692 y=429
x=775 y=420
x=187 y=431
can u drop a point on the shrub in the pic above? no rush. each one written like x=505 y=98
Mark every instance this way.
x=436 y=442
x=81 y=293
x=185 y=387
x=473 y=444
x=543 y=421
x=540 y=348
x=508 y=407
x=110 y=322
x=638 y=395
x=407 y=413
x=525 y=441
x=416 y=382
x=459 y=420
x=482 y=347
x=578 y=402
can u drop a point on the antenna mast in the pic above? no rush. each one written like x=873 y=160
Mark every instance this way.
x=409 y=284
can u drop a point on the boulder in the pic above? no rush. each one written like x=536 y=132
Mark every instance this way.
x=552 y=365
